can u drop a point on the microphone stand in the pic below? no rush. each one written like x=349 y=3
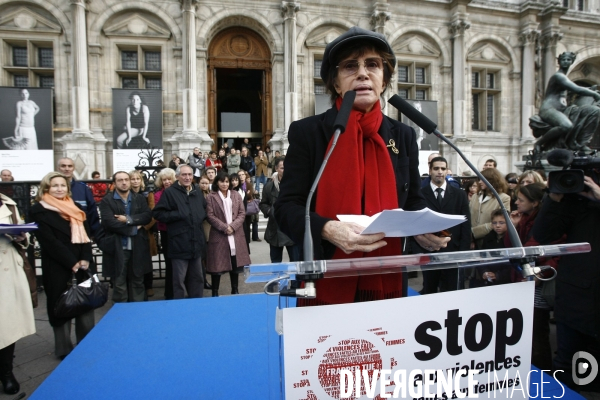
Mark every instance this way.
x=317 y=268
x=523 y=265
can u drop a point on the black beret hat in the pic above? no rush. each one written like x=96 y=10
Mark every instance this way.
x=353 y=34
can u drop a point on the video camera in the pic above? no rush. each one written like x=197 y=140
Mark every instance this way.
x=570 y=179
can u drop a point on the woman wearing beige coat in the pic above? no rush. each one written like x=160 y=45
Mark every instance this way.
x=483 y=204
x=16 y=311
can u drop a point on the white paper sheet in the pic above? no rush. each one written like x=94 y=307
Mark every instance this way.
x=400 y=223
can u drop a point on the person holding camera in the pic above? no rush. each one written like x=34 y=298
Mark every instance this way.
x=577 y=304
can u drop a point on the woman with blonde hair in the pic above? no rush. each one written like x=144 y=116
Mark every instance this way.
x=138 y=186
x=64 y=237
x=529 y=177
x=164 y=179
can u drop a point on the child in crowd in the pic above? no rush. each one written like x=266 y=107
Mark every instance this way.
x=495 y=240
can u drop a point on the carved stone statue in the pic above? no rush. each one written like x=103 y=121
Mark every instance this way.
x=561 y=126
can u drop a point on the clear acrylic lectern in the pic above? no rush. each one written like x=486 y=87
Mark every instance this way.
x=282 y=273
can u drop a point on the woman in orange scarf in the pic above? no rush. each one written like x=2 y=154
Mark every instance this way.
x=381 y=154
x=64 y=237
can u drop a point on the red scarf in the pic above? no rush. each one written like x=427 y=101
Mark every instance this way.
x=359 y=179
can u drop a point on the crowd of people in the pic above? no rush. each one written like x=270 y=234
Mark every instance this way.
x=197 y=216
x=540 y=217
x=205 y=209
x=203 y=226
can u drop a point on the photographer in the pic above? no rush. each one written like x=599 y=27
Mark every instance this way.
x=577 y=304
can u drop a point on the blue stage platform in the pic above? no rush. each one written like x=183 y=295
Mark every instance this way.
x=212 y=348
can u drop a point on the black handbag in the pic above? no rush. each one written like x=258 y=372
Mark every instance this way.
x=78 y=300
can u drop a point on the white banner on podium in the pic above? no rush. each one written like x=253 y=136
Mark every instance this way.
x=468 y=343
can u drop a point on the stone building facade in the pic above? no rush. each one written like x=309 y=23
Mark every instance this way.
x=484 y=61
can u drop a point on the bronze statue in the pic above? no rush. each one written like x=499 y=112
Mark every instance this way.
x=562 y=126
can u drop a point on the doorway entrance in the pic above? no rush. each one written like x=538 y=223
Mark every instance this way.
x=239 y=84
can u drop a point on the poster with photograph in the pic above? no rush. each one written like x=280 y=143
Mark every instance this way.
x=26 y=132
x=137 y=125
x=426 y=142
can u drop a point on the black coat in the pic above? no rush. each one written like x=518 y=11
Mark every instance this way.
x=183 y=213
x=309 y=139
x=273 y=235
x=455 y=201
x=246 y=165
x=578 y=280
x=491 y=242
x=59 y=255
x=112 y=256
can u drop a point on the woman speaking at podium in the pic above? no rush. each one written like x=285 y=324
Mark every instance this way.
x=378 y=154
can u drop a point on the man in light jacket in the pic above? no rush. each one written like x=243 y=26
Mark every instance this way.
x=261 y=170
x=197 y=163
x=233 y=162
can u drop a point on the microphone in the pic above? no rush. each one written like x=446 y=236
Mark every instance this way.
x=428 y=126
x=344 y=113
x=566 y=158
x=412 y=113
x=316 y=271
x=560 y=158
x=340 y=126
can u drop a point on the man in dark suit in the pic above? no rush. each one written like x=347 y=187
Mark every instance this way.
x=444 y=198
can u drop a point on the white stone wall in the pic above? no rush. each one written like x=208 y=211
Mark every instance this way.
x=419 y=30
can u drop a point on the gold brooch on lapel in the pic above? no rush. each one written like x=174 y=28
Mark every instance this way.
x=392 y=144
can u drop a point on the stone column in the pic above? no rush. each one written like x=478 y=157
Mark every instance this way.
x=95 y=53
x=458 y=26
x=550 y=27
x=79 y=91
x=190 y=83
x=290 y=61
x=549 y=40
x=184 y=142
x=380 y=16
x=79 y=143
x=529 y=38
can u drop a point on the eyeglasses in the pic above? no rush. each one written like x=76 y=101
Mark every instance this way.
x=350 y=67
